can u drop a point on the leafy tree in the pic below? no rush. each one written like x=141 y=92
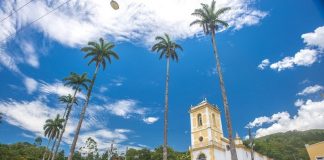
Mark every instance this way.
x=77 y=156
x=168 y=49
x=100 y=53
x=60 y=155
x=143 y=154
x=158 y=153
x=209 y=20
x=38 y=141
x=21 y=150
x=183 y=156
x=105 y=156
x=52 y=130
x=77 y=82
x=90 y=150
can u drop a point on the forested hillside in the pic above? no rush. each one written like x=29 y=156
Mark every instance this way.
x=289 y=145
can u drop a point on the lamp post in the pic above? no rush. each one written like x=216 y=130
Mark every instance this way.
x=114 y=5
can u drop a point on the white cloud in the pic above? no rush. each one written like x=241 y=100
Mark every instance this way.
x=305 y=57
x=311 y=90
x=59 y=89
x=310 y=115
x=150 y=120
x=315 y=38
x=263 y=64
x=262 y=120
x=30 y=54
x=83 y=20
x=30 y=84
x=299 y=102
x=7 y=61
x=122 y=130
x=117 y=81
x=31 y=116
x=103 y=89
x=125 y=108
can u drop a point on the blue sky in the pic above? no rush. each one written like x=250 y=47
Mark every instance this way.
x=271 y=58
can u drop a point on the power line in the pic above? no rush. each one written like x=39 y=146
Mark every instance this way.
x=22 y=28
x=15 y=11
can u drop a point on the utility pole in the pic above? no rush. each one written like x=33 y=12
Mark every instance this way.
x=251 y=139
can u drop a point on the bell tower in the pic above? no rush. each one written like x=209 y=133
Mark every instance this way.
x=206 y=131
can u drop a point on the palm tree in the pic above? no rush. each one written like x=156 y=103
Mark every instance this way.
x=52 y=129
x=166 y=48
x=77 y=82
x=99 y=52
x=67 y=100
x=209 y=20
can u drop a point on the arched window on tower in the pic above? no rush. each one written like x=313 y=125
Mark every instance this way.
x=199 y=118
x=201 y=157
x=214 y=119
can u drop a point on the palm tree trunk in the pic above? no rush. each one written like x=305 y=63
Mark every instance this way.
x=66 y=108
x=49 y=156
x=165 y=144
x=225 y=102
x=49 y=141
x=69 y=108
x=77 y=131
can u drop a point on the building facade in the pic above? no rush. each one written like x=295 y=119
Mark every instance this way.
x=207 y=139
x=316 y=151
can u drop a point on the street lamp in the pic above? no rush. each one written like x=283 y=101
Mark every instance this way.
x=114 y=5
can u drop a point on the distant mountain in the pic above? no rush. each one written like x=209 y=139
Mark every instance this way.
x=289 y=145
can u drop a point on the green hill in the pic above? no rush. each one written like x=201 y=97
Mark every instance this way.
x=289 y=145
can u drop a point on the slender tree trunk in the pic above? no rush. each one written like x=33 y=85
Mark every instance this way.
x=225 y=102
x=165 y=144
x=251 y=144
x=49 y=141
x=69 y=108
x=49 y=156
x=77 y=131
x=66 y=108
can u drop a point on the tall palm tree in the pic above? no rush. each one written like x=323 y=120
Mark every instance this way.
x=52 y=129
x=67 y=100
x=77 y=82
x=100 y=52
x=166 y=48
x=209 y=20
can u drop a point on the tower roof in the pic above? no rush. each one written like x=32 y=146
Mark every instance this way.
x=203 y=103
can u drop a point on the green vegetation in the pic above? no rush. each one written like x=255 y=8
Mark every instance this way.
x=27 y=151
x=168 y=49
x=210 y=20
x=156 y=154
x=289 y=145
x=21 y=151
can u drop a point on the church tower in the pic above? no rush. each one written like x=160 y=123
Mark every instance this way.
x=206 y=131
x=207 y=139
